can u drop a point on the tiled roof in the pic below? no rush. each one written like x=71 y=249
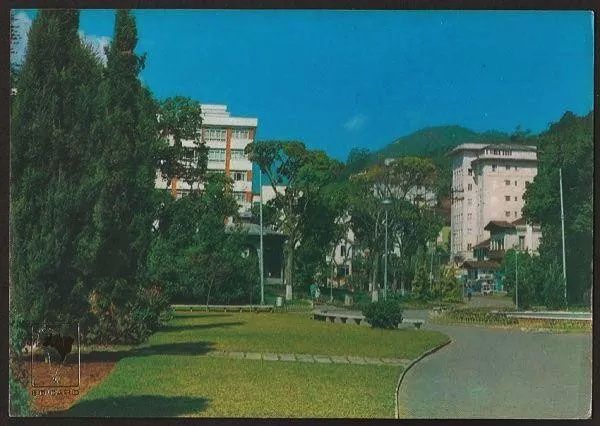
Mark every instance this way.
x=498 y=224
x=480 y=264
x=483 y=244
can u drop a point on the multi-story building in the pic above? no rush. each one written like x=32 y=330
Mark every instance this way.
x=226 y=138
x=488 y=183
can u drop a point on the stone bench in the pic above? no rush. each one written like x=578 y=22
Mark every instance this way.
x=348 y=318
x=417 y=323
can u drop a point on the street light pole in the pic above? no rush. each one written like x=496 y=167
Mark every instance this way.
x=262 y=274
x=386 y=257
x=517 y=279
x=562 y=220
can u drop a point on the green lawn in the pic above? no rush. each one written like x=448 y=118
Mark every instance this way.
x=168 y=377
x=291 y=332
x=190 y=386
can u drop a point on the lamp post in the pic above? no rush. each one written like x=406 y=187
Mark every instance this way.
x=562 y=222
x=261 y=260
x=516 y=248
x=386 y=203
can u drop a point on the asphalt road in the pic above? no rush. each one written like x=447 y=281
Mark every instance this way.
x=492 y=373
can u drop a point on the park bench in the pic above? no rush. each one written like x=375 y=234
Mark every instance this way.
x=225 y=308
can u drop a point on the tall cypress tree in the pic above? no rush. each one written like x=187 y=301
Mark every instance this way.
x=123 y=213
x=51 y=147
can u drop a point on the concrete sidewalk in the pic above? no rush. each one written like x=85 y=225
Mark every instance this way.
x=499 y=373
x=312 y=358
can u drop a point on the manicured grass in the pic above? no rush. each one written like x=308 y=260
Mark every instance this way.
x=192 y=386
x=292 y=332
x=168 y=377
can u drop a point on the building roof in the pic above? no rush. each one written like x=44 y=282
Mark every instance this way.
x=467 y=147
x=498 y=224
x=217 y=115
x=519 y=221
x=480 y=264
x=483 y=244
x=514 y=147
x=481 y=146
x=254 y=229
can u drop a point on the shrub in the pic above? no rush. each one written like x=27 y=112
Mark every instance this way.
x=132 y=322
x=478 y=316
x=383 y=314
x=19 y=400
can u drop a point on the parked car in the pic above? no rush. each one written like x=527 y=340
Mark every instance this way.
x=486 y=288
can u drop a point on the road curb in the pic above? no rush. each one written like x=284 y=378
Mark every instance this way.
x=408 y=367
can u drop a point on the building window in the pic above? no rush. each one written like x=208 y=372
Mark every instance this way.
x=342 y=251
x=521 y=242
x=240 y=134
x=515 y=214
x=216 y=154
x=507 y=167
x=469 y=216
x=507 y=213
x=469 y=246
x=515 y=198
x=469 y=187
x=215 y=135
x=239 y=175
x=507 y=182
x=493 y=167
x=189 y=156
x=469 y=201
x=507 y=197
x=470 y=172
x=239 y=196
x=237 y=154
x=515 y=183
x=527 y=183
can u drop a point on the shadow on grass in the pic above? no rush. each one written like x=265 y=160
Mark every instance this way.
x=184 y=348
x=137 y=406
x=168 y=328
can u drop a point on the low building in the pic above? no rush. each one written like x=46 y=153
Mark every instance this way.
x=488 y=254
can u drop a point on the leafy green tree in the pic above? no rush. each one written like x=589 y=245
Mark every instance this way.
x=420 y=283
x=305 y=172
x=180 y=119
x=406 y=182
x=195 y=256
x=553 y=287
x=522 y=276
x=567 y=144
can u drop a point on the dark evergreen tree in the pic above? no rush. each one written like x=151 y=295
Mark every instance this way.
x=124 y=212
x=52 y=146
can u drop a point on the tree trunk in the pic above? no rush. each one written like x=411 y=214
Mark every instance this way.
x=289 y=269
x=374 y=273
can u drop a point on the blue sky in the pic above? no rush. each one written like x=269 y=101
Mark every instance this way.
x=343 y=79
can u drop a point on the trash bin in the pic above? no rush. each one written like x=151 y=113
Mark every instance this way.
x=279 y=301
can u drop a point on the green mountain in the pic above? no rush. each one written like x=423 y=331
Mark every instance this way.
x=433 y=141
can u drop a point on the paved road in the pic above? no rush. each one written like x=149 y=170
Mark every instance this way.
x=491 y=373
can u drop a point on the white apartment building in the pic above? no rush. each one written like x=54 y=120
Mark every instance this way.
x=226 y=138
x=488 y=183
